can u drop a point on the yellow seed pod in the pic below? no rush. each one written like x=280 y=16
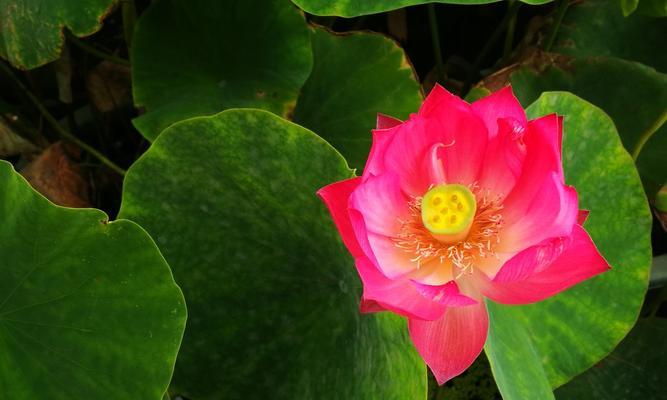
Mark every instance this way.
x=448 y=212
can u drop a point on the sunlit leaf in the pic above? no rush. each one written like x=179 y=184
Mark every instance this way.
x=634 y=371
x=198 y=57
x=353 y=8
x=598 y=28
x=88 y=308
x=31 y=30
x=633 y=95
x=273 y=295
x=354 y=77
x=550 y=342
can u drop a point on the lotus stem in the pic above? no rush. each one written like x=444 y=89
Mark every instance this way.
x=96 y=52
x=563 y=5
x=129 y=10
x=435 y=39
x=511 y=27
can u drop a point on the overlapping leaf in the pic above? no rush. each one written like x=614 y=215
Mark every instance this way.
x=273 y=296
x=354 y=77
x=198 y=57
x=633 y=95
x=88 y=309
x=353 y=8
x=547 y=343
x=31 y=30
x=598 y=28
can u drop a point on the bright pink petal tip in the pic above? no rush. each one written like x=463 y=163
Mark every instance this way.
x=440 y=100
x=582 y=217
x=551 y=212
x=450 y=344
x=447 y=294
x=399 y=296
x=375 y=163
x=500 y=104
x=549 y=130
x=336 y=197
x=547 y=269
x=381 y=202
x=386 y=122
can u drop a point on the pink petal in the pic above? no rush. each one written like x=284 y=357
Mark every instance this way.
x=405 y=153
x=447 y=294
x=386 y=122
x=539 y=198
x=500 y=104
x=391 y=260
x=375 y=163
x=443 y=120
x=552 y=212
x=582 y=217
x=449 y=345
x=434 y=273
x=504 y=158
x=461 y=131
x=542 y=142
x=381 y=203
x=440 y=99
x=336 y=197
x=370 y=306
x=549 y=130
x=434 y=164
x=547 y=269
x=399 y=296
x=381 y=250
x=361 y=233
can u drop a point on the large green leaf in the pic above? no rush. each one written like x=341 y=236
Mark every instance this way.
x=31 y=30
x=199 y=57
x=273 y=296
x=88 y=308
x=554 y=340
x=653 y=8
x=354 y=77
x=634 y=371
x=632 y=94
x=353 y=8
x=598 y=28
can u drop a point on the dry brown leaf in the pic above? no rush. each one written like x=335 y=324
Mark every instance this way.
x=12 y=144
x=109 y=86
x=55 y=175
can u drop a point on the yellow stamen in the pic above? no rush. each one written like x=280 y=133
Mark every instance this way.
x=417 y=240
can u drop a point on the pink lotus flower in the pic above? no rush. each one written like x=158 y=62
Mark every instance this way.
x=461 y=202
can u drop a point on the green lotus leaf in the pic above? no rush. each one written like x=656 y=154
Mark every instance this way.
x=620 y=88
x=273 y=295
x=354 y=77
x=31 y=30
x=653 y=8
x=88 y=308
x=598 y=28
x=198 y=57
x=354 y=8
x=533 y=348
x=634 y=371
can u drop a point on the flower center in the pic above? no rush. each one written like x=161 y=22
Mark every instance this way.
x=424 y=241
x=448 y=212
